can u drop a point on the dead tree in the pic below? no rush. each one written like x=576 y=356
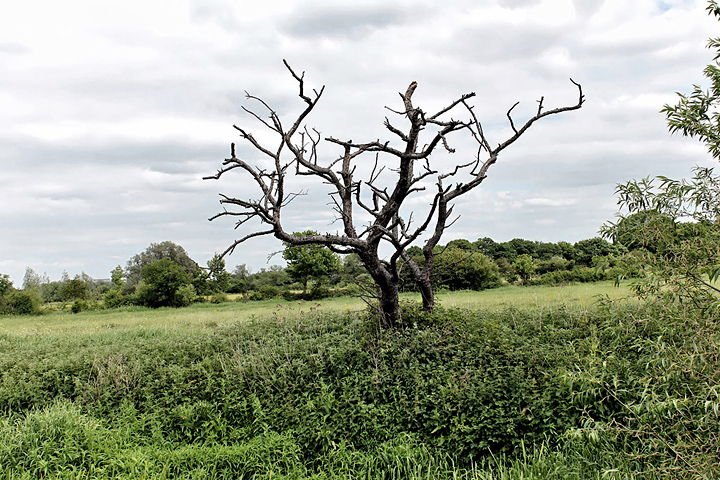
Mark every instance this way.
x=297 y=153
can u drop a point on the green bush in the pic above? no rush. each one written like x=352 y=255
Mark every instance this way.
x=264 y=292
x=554 y=264
x=114 y=299
x=457 y=269
x=164 y=284
x=619 y=388
x=219 y=298
x=79 y=306
x=185 y=296
x=454 y=269
x=647 y=386
x=22 y=303
x=465 y=377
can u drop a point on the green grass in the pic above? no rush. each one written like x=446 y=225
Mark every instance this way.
x=207 y=315
x=577 y=296
x=517 y=382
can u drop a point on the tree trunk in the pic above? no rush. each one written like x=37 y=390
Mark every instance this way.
x=427 y=293
x=388 y=293
x=389 y=305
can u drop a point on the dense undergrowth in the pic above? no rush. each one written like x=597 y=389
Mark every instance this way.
x=616 y=392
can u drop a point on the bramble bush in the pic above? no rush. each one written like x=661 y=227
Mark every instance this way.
x=627 y=388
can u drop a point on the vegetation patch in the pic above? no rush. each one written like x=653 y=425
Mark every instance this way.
x=453 y=394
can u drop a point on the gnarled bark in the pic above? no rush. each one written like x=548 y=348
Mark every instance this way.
x=297 y=153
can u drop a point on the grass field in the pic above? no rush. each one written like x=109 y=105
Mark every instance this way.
x=206 y=315
x=540 y=383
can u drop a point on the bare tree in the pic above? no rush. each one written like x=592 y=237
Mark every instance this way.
x=297 y=153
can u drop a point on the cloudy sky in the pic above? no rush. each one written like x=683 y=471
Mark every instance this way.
x=111 y=112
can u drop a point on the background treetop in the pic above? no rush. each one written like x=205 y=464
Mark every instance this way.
x=155 y=252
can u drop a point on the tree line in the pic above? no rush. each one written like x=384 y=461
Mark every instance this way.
x=164 y=275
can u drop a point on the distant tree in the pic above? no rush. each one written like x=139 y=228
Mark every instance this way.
x=505 y=250
x=399 y=171
x=219 y=278
x=25 y=302
x=462 y=244
x=524 y=267
x=352 y=266
x=274 y=276
x=459 y=269
x=114 y=298
x=523 y=247
x=547 y=250
x=553 y=264
x=567 y=250
x=117 y=277
x=6 y=288
x=16 y=302
x=164 y=284
x=75 y=289
x=585 y=250
x=412 y=251
x=52 y=291
x=487 y=246
x=309 y=261
x=159 y=251
x=241 y=272
x=239 y=277
x=6 y=285
x=33 y=280
x=505 y=268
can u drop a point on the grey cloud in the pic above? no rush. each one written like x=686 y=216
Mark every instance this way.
x=169 y=157
x=10 y=48
x=213 y=11
x=340 y=22
x=518 y=3
x=492 y=43
x=586 y=9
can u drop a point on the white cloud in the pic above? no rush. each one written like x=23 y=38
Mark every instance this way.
x=551 y=202
x=112 y=112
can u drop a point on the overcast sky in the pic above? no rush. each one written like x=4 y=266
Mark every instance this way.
x=112 y=111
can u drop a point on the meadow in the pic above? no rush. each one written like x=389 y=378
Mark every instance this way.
x=205 y=315
x=517 y=382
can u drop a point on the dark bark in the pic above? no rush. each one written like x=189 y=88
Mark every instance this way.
x=297 y=153
x=388 y=294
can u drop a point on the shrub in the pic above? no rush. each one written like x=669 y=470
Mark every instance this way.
x=524 y=266
x=164 y=284
x=22 y=303
x=264 y=292
x=457 y=269
x=647 y=386
x=554 y=264
x=185 y=295
x=219 y=298
x=114 y=299
x=79 y=306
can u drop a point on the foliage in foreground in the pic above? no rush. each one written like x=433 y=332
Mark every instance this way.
x=456 y=394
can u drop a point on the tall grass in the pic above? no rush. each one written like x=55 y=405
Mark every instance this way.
x=529 y=389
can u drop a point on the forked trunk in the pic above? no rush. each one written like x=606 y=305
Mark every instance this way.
x=427 y=293
x=388 y=293
x=389 y=305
